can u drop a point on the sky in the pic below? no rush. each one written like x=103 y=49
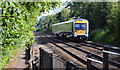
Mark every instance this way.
x=51 y=12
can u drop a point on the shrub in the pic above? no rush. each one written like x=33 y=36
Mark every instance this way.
x=93 y=33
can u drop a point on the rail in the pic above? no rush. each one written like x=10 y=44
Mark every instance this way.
x=75 y=47
x=104 y=59
x=46 y=61
x=68 y=52
x=114 y=63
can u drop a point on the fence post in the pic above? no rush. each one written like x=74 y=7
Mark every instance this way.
x=51 y=61
x=89 y=66
x=105 y=59
x=68 y=67
x=46 y=61
x=40 y=54
x=32 y=65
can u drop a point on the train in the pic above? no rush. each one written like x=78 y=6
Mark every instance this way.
x=76 y=28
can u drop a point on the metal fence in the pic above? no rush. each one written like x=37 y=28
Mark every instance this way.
x=105 y=61
x=46 y=61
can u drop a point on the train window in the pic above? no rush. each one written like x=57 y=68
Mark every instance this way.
x=77 y=25
x=83 y=25
x=80 y=26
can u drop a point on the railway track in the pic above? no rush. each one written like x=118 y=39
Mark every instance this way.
x=65 y=48
x=96 y=49
x=90 y=46
x=80 y=51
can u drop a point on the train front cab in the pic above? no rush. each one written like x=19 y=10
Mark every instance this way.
x=80 y=29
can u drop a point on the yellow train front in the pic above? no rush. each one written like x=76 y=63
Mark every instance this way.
x=81 y=29
x=77 y=28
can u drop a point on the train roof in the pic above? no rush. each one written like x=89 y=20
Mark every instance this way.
x=68 y=21
x=63 y=22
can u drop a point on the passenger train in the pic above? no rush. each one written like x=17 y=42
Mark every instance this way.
x=77 y=28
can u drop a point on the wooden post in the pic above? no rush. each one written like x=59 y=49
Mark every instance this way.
x=68 y=66
x=50 y=62
x=32 y=65
x=46 y=60
x=105 y=59
x=40 y=61
x=89 y=66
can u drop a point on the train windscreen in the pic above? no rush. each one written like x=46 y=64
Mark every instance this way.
x=80 y=26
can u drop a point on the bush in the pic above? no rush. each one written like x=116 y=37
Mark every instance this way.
x=93 y=33
x=104 y=37
x=17 y=26
x=47 y=31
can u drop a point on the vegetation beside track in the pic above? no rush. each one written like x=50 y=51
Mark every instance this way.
x=17 y=25
x=111 y=34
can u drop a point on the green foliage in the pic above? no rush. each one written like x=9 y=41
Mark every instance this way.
x=103 y=19
x=45 y=23
x=17 y=26
x=114 y=22
x=111 y=35
x=106 y=38
x=63 y=15
x=96 y=12
x=94 y=33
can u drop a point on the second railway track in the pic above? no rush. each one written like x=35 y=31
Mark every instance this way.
x=79 y=52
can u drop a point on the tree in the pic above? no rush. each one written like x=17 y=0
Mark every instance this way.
x=96 y=13
x=17 y=26
x=64 y=14
x=114 y=22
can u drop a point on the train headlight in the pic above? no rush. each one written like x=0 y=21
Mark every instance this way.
x=75 y=33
